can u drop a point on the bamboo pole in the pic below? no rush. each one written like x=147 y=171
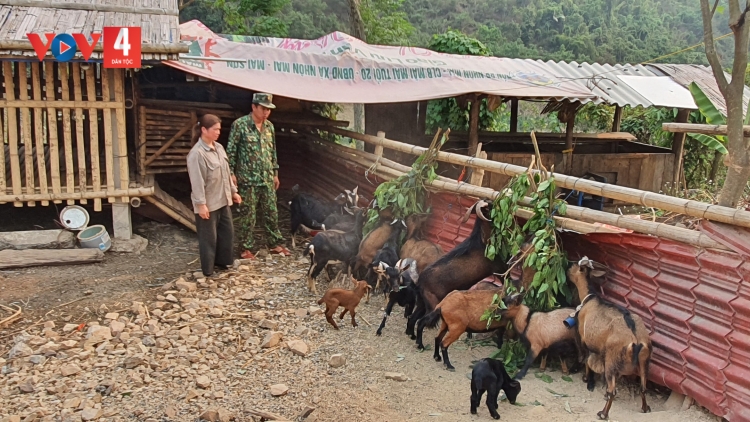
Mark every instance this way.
x=122 y=141
x=54 y=147
x=67 y=129
x=108 y=135
x=170 y=212
x=25 y=122
x=61 y=104
x=573 y=212
x=99 y=47
x=73 y=196
x=635 y=196
x=94 y=135
x=81 y=146
x=93 y=7
x=36 y=84
x=15 y=164
x=698 y=128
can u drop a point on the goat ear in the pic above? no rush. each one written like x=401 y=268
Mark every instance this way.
x=355 y=190
x=405 y=268
x=598 y=273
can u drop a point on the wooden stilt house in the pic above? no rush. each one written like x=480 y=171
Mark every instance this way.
x=68 y=127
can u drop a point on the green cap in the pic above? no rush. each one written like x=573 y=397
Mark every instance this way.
x=264 y=99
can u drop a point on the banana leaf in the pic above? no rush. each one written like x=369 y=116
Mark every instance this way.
x=710 y=142
x=706 y=107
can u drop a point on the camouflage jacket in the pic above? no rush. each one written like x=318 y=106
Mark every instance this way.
x=252 y=154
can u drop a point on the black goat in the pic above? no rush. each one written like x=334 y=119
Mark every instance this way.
x=490 y=375
x=401 y=280
x=307 y=210
x=388 y=254
x=459 y=269
x=329 y=246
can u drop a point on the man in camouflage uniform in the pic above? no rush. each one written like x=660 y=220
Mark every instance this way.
x=252 y=157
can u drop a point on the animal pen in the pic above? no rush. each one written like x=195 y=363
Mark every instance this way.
x=67 y=126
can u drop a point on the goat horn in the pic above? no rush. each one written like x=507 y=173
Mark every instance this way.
x=585 y=261
x=466 y=216
x=479 y=205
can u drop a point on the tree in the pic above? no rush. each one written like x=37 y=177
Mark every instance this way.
x=239 y=17
x=385 y=22
x=738 y=158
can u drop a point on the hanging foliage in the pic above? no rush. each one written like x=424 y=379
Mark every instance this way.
x=406 y=194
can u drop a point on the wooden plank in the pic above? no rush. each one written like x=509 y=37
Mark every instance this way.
x=15 y=164
x=142 y=144
x=108 y=151
x=79 y=117
x=37 y=239
x=171 y=141
x=34 y=258
x=94 y=134
x=36 y=81
x=698 y=128
x=25 y=122
x=88 y=194
x=54 y=147
x=122 y=142
x=67 y=131
x=63 y=104
x=3 y=137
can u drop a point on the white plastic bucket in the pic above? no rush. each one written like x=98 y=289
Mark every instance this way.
x=95 y=237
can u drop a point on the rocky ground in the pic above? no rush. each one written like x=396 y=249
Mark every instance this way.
x=253 y=341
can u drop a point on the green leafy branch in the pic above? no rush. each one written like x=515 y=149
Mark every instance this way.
x=406 y=194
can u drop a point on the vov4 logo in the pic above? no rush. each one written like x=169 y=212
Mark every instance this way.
x=121 y=46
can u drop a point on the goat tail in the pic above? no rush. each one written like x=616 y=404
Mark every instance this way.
x=431 y=319
x=310 y=250
x=320 y=301
x=635 y=349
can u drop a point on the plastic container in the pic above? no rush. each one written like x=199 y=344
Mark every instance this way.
x=95 y=237
x=76 y=218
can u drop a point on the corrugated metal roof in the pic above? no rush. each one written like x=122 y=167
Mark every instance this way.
x=684 y=74
x=158 y=19
x=602 y=80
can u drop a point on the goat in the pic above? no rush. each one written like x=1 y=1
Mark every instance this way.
x=371 y=243
x=307 y=210
x=401 y=280
x=460 y=312
x=349 y=299
x=540 y=332
x=333 y=245
x=338 y=221
x=490 y=375
x=617 y=341
x=459 y=269
x=416 y=246
x=388 y=254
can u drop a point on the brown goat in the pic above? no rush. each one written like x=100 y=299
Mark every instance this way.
x=540 y=332
x=349 y=299
x=370 y=244
x=416 y=246
x=460 y=312
x=617 y=341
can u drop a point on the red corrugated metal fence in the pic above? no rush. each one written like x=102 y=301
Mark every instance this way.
x=696 y=302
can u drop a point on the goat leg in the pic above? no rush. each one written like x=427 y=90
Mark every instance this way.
x=530 y=356
x=604 y=414
x=386 y=314
x=438 y=341
x=413 y=318
x=351 y=312
x=543 y=364
x=476 y=397
x=564 y=366
x=329 y=317
x=343 y=313
x=611 y=379
x=446 y=361
x=492 y=392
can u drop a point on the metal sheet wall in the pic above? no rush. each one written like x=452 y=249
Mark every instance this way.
x=695 y=302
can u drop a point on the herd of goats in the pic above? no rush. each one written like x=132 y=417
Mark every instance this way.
x=456 y=288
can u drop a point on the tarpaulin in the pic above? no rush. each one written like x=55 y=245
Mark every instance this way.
x=695 y=302
x=338 y=68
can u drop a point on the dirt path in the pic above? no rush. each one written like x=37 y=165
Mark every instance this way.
x=157 y=354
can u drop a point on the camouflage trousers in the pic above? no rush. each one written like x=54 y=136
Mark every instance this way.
x=258 y=200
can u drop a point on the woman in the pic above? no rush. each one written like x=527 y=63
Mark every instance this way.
x=213 y=191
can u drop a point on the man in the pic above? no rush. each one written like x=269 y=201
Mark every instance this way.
x=252 y=157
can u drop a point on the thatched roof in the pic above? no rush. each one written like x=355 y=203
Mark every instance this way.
x=158 y=19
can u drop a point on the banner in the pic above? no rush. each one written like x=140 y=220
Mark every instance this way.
x=338 y=68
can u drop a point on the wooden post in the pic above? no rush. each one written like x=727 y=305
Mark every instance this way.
x=617 y=119
x=473 y=130
x=28 y=146
x=514 y=115
x=54 y=146
x=36 y=81
x=79 y=118
x=478 y=175
x=568 y=152
x=678 y=147
x=15 y=163
x=94 y=135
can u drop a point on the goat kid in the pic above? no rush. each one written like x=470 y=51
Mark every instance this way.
x=349 y=299
x=541 y=332
x=617 y=340
x=401 y=280
x=459 y=269
x=309 y=211
x=371 y=243
x=388 y=255
x=490 y=375
x=333 y=246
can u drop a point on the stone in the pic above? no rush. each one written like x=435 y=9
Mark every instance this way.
x=181 y=284
x=37 y=359
x=369 y=350
x=98 y=333
x=248 y=296
x=258 y=315
x=396 y=376
x=68 y=344
x=112 y=315
x=314 y=310
x=279 y=390
x=216 y=312
x=337 y=360
x=269 y=324
x=50 y=334
x=193 y=394
x=13 y=418
x=70 y=369
x=48 y=349
x=69 y=327
x=49 y=324
x=301 y=313
x=72 y=403
x=199 y=328
x=301 y=331
x=116 y=327
x=170 y=412
x=217 y=415
x=20 y=350
x=243 y=268
x=148 y=341
x=298 y=347
x=203 y=382
x=171 y=298
x=271 y=339
x=90 y=414
x=27 y=386
x=136 y=244
x=132 y=362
